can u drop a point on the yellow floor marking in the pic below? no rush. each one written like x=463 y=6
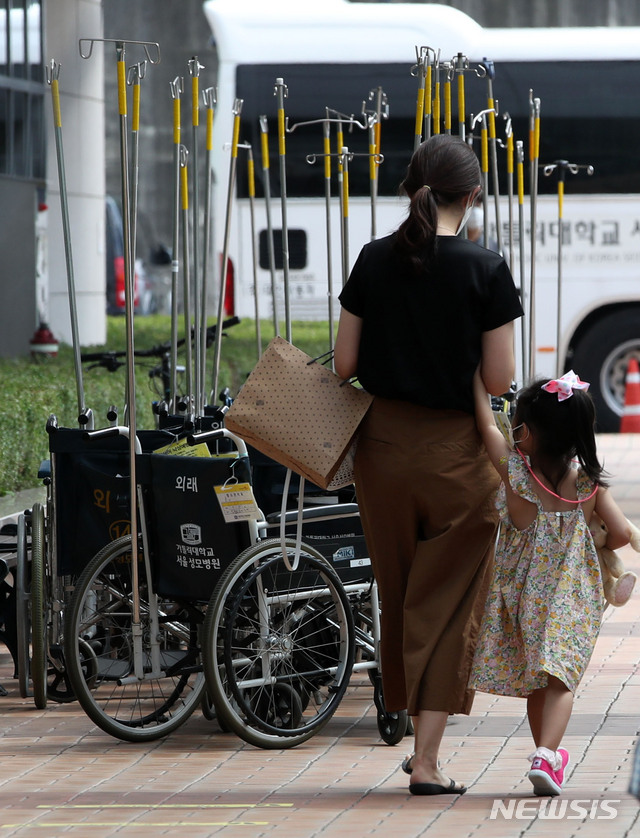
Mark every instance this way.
x=152 y=806
x=128 y=824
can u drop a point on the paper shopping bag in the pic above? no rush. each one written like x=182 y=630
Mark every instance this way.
x=298 y=412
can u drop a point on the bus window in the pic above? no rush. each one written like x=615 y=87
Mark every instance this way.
x=313 y=88
x=297 y=240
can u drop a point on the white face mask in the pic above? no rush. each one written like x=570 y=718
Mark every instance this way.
x=467 y=213
x=511 y=432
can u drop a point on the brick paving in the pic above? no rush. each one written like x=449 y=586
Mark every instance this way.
x=60 y=775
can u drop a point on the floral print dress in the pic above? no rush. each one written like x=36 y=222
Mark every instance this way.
x=544 y=607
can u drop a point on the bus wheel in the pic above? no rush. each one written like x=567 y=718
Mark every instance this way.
x=602 y=358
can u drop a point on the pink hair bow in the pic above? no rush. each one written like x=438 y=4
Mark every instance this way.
x=565 y=385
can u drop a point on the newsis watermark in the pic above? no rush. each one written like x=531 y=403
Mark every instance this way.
x=554 y=808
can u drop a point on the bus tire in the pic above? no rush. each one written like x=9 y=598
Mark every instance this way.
x=602 y=358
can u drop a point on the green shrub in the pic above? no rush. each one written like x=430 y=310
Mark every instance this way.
x=32 y=390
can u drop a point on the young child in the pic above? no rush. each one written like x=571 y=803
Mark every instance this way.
x=545 y=603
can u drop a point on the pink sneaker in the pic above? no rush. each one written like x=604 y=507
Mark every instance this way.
x=564 y=756
x=544 y=778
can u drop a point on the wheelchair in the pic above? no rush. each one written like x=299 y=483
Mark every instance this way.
x=135 y=618
x=262 y=631
x=86 y=507
x=286 y=627
x=209 y=614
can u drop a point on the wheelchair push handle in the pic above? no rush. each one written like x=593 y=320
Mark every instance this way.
x=220 y=433
x=116 y=430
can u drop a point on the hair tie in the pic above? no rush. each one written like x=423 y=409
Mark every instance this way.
x=426 y=186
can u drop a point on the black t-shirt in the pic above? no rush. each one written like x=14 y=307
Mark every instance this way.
x=421 y=334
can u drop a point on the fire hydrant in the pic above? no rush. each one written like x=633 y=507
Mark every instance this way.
x=43 y=343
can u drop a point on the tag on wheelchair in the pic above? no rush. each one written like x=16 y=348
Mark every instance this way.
x=237 y=502
x=182 y=448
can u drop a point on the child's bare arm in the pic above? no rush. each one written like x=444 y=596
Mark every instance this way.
x=618 y=529
x=494 y=441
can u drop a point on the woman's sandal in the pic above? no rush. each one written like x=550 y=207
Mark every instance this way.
x=436 y=788
x=406 y=764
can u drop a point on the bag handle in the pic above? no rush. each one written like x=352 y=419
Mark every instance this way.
x=283 y=518
x=327 y=358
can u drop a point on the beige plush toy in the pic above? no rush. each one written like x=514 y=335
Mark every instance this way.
x=617 y=582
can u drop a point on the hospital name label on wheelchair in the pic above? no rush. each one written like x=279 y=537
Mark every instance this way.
x=237 y=502
x=187 y=484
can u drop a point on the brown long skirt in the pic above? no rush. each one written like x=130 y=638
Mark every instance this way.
x=426 y=493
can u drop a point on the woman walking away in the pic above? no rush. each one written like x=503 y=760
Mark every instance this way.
x=421 y=309
x=545 y=604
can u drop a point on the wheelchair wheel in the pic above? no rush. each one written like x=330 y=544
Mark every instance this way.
x=39 y=627
x=392 y=727
x=134 y=696
x=210 y=712
x=208 y=707
x=59 y=687
x=279 y=645
x=23 y=624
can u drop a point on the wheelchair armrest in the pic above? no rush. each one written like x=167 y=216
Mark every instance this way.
x=45 y=469
x=316 y=513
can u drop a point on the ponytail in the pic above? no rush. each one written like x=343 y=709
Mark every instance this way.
x=416 y=236
x=442 y=170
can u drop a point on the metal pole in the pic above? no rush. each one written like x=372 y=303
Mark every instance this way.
x=509 y=150
x=281 y=93
x=209 y=99
x=128 y=291
x=176 y=90
x=186 y=276
x=266 y=183
x=53 y=75
x=129 y=316
x=448 y=68
x=237 y=110
x=561 y=173
x=561 y=167
x=534 y=145
x=341 y=194
x=136 y=73
x=436 y=96
x=493 y=146
x=484 y=166
x=373 y=179
x=428 y=91
x=198 y=389
x=526 y=349
x=326 y=138
x=251 y=182
x=374 y=124
x=371 y=124
x=420 y=72
x=461 y=65
x=345 y=214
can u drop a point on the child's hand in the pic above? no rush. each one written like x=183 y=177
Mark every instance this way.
x=484 y=414
x=496 y=444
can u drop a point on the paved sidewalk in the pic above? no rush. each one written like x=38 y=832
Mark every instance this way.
x=11 y=505
x=59 y=775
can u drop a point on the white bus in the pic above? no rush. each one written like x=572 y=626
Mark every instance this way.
x=332 y=54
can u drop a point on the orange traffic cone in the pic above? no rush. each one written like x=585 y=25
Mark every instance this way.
x=630 y=423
